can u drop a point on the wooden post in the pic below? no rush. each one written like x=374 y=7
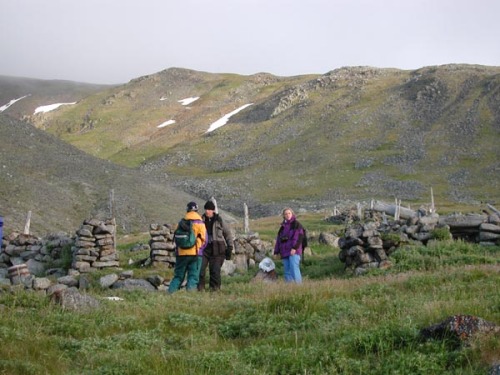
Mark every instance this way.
x=398 y=209
x=27 y=225
x=246 y=225
x=432 y=209
x=112 y=213
x=112 y=203
x=358 y=206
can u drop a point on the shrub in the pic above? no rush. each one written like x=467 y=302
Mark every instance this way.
x=441 y=234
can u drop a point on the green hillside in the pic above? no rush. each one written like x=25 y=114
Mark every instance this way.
x=354 y=133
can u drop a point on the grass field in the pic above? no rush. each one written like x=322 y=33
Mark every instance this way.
x=334 y=323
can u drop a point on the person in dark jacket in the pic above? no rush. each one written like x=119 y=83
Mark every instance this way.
x=219 y=247
x=289 y=246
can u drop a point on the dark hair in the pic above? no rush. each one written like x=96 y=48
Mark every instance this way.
x=209 y=205
x=192 y=206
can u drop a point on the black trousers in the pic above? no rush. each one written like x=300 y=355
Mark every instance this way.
x=214 y=264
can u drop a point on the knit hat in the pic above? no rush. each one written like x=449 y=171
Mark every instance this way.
x=209 y=205
x=192 y=206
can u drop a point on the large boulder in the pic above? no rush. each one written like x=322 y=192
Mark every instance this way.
x=460 y=327
x=72 y=299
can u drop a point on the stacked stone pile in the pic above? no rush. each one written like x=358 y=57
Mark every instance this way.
x=368 y=245
x=95 y=246
x=489 y=234
x=345 y=217
x=39 y=254
x=362 y=247
x=481 y=228
x=249 y=249
x=54 y=246
x=162 y=245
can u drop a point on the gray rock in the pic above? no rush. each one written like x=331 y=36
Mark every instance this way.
x=56 y=272
x=106 y=264
x=72 y=299
x=228 y=268
x=41 y=283
x=27 y=281
x=460 y=327
x=495 y=369
x=108 y=280
x=83 y=283
x=127 y=274
x=155 y=280
x=16 y=261
x=56 y=288
x=35 y=267
x=70 y=281
x=329 y=239
x=134 y=284
x=241 y=263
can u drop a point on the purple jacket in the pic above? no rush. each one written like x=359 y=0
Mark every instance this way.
x=289 y=237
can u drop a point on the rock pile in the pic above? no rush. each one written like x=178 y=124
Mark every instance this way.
x=162 y=245
x=460 y=327
x=368 y=245
x=489 y=234
x=68 y=290
x=480 y=228
x=249 y=249
x=95 y=246
x=39 y=254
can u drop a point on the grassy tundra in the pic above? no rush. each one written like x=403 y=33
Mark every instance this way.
x=334 y=323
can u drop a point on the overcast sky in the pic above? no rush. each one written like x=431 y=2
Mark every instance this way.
x=114 y=41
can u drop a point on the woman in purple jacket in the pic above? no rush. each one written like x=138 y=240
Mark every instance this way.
x=289 y=246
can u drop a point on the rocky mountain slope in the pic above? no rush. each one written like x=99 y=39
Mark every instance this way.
x=310 y=141
x=39 y=92
x=62 y=186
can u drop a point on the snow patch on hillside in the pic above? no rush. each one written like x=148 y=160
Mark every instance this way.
x=5 y=106
x=223 y=120
x=166 y=123
x=50 y=107
x=188 y=101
